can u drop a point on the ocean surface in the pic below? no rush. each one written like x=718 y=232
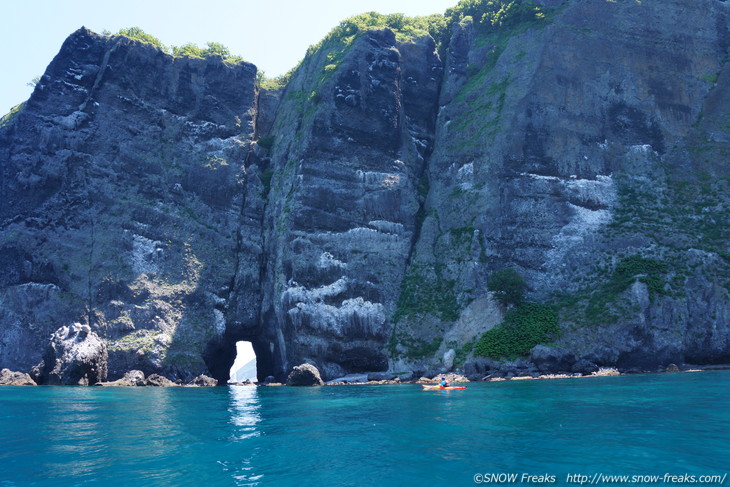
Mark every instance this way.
x=640 y=429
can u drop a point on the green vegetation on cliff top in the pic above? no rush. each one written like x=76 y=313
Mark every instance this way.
x=405 y=28
x=488 y=16
x=8 y=118
x=494 y=15
x=189 y=49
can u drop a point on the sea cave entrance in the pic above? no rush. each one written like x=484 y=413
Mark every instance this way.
x=222 y=354
x=244 y=366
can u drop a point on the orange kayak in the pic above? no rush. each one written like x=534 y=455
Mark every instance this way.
x=441 y=388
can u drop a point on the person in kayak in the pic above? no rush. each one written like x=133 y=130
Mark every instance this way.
x=444 y=382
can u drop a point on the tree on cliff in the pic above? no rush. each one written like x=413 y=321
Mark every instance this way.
x=508 y=286
x=140 y=35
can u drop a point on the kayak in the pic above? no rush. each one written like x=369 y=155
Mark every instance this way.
x=441 y=388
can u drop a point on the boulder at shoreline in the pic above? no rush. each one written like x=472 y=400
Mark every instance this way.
x=549 y=360
x=75 y=356
x=203 y=381
x=10 y=378
x=158 y=380
x=132 y=378
x=304 y=375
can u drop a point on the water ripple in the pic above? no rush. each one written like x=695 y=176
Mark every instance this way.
x=363 y=435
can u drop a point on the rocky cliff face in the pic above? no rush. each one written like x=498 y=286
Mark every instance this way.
x=123 y=186
x=344 y=199
x=587 y=151
x=567 y=144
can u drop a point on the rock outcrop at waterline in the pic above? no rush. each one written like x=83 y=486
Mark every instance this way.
x=304 y=375
x=133 y=378
x=75 y=356
x=354 y=218
x=10 y=378
x=136 y=378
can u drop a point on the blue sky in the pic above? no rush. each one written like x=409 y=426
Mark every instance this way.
x=272 y=34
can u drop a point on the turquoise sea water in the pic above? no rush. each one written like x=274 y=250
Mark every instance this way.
x=677 y=424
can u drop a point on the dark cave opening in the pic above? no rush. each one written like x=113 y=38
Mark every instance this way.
x=220 y=355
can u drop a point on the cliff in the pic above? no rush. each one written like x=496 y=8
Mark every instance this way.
x=355 y=218
x=123 y=187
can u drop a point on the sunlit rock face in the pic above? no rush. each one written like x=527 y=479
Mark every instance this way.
x=75 y=356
